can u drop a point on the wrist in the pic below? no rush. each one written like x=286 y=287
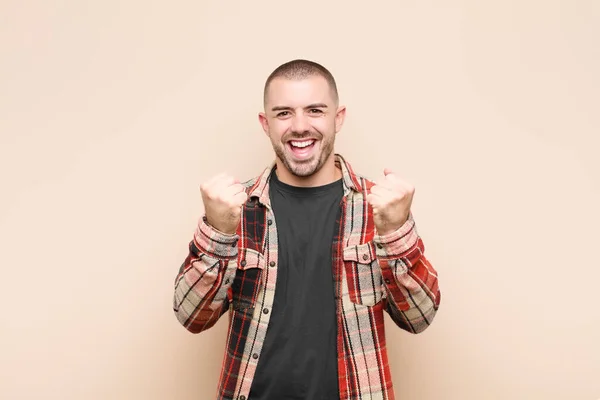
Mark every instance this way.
x=396 y=243
x=220 y=228
x=389 y=228
x=215 y=243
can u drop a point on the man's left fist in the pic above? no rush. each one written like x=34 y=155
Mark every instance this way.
x=391 y=199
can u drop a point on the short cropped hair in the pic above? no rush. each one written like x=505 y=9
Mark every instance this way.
x=301 y=69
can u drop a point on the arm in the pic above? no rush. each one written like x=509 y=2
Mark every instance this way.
x=204 y=278
x=411 y=282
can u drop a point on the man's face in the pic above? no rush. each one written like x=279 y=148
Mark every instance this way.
x=302 y=118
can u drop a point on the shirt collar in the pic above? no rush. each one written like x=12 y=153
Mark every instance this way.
x=260 y=188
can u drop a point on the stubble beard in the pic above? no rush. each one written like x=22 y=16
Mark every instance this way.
x=311 y=166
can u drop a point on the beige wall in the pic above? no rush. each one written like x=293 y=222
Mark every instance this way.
x=113 y=113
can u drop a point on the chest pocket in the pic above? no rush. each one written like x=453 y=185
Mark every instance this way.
x=247 y=282
x=363 y=274
x=248 y=279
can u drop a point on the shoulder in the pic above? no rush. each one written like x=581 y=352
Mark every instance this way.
x=364 y=179
x=258 y=183
x=251 y=186
x=250 y=183
x=353 y=178
x=363 y=182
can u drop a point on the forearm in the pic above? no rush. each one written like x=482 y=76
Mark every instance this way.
x=200 y=293
x=410 y=280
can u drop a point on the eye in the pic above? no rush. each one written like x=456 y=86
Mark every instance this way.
x=316 y=111
x=282 y=114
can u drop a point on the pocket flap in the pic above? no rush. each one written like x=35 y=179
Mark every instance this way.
x=249 y=258
x=361 y=253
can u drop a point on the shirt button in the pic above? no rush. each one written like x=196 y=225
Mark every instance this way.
x=265 y=310
x=387 y=281
x=365 y=257
x=242 y=397
x=255 y=356
x=269 y=221
x=272 y=263
x=227 y=281
x=243 y=263
x=379 y=245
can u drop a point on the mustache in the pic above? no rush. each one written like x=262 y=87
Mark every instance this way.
x=302 y=135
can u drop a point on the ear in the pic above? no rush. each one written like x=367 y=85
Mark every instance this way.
x=340 y=115
x=264 y=122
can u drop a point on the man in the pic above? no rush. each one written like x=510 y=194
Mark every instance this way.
x=306 y=258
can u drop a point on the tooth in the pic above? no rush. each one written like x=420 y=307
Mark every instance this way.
x=302 y=144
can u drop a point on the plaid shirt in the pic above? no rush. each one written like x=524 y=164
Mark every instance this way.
x=372 y=274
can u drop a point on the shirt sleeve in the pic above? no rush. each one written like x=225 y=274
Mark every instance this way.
x=204 y=278
x=410 y=280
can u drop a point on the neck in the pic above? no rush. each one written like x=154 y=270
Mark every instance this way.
x=328 y=173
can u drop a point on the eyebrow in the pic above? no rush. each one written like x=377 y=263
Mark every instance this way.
x=286 y=108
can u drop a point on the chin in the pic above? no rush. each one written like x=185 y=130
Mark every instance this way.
x=301 y=168
x=304 y=169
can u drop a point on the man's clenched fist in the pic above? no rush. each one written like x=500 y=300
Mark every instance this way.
x=223 y=197
x=391 y=199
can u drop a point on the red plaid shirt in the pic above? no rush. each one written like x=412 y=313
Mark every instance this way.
x=372 y=274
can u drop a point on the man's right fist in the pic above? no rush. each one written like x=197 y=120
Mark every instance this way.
x=223 y=197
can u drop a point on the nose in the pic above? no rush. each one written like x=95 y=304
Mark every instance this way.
x=300 y=123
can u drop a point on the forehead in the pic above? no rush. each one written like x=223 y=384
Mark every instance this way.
x=299 y=92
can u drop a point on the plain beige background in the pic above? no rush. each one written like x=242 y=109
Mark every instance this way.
x=112 y=113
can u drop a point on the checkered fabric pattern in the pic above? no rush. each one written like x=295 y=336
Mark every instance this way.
x=373 y=274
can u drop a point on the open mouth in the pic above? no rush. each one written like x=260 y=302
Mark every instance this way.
x=302 y=148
